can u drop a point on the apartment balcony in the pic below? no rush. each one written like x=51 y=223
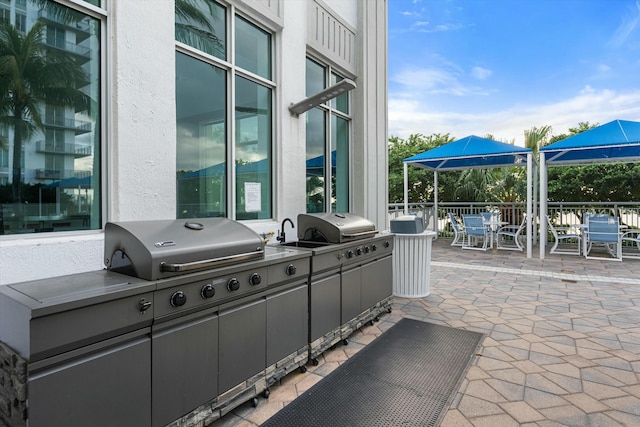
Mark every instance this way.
x=78 y=126
x=75 y=150
x=82 y=28
x=53 y=174
x=81 y=53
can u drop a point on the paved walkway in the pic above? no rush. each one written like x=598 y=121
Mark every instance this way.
x=562 y=345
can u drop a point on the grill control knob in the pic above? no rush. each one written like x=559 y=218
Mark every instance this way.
x=358 y=251
x=255 y=279
x=207 y=291
x=233 y=284
x=349 y=253
x=374 y=247
x=367 y=249
x=386 y=244
x=291 y=270
x=178 y=298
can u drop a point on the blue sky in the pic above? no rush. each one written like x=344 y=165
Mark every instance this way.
x=503 y=66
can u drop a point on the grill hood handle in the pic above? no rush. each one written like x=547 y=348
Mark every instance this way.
x=208 y=263
x=362 y=234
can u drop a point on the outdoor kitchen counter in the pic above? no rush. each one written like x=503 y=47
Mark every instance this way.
x=21 y=304
x=96 y=328
x=49 y=296
x=36 y=320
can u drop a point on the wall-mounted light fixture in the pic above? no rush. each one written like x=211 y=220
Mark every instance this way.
x=321 y=97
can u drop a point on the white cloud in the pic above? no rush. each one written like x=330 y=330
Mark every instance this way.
x=422 y=27
x=604 y=68
x=481 y=73
x=627 y=27
x=435 y=80
x=587 y=89
x=410 y=116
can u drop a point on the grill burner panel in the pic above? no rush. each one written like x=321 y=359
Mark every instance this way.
x=159 y=249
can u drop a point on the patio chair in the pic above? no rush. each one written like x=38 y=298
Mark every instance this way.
x=585 y=224
x=458 y=229
x=606 y=232
x=476 y=231
x=631 y=244
x=562 y=234
x=511 y=235
x=490 y=217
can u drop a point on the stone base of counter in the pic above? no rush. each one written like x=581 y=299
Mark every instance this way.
x=13 y=388
x=366 y=316
x=215 y=409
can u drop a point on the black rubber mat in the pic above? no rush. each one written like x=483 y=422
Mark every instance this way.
x=408 y=376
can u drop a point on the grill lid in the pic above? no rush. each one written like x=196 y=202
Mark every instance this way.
x=334 y=227
x=165 y=248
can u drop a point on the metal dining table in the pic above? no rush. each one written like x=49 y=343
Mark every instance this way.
x=493 y=227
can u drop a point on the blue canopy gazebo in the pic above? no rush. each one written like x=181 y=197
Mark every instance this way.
x=614 y=142
x=473 y=152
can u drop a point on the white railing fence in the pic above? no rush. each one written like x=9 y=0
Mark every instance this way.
x=562 y=214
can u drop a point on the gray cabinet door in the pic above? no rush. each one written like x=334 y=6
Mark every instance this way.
x=185 y=368
x=351 y=292
x=104 y=389
x=377 y=282
x=287 y=323
x=325 y=305
x=242 y=343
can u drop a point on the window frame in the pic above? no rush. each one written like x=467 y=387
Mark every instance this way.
x=330 y=110
x=100 y=14
x=228 y=65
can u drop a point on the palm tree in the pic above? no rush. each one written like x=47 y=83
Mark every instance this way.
x=473 y=185
x=535 y=138
x=193 y=27
x=32 y=76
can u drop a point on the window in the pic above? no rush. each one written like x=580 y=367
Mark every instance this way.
x=224 y=111
x=21 y=22
x=328 y=130
x=201 y=138
x=49 y=178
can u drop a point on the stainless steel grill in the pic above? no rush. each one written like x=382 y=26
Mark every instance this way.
x=159 y=249
x=351 y=275
x=334 y=227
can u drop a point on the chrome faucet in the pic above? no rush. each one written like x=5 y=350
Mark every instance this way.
x=281 y=236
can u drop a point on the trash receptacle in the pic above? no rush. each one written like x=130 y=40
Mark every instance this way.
x=412 y=264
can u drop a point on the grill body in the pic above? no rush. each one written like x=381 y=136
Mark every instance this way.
x=351 y=279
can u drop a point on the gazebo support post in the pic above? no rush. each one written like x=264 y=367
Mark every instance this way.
x=406 y=189
x=435 y=202
x=529 y=204
x=543 y=203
